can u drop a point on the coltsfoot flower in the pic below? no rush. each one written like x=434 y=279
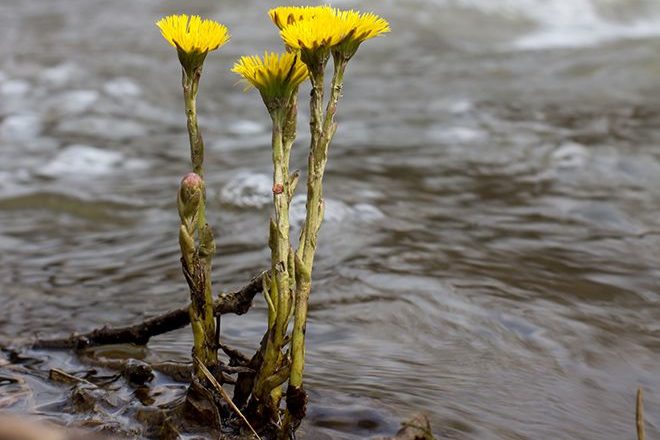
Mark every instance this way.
x=193 y=37
x=276 y=76
x=284 y=16
x=314 y=30
x=359 y=27
x=315 y=34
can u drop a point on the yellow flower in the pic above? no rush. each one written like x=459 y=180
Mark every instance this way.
x=359 y=27
x=193 y=37
x=284 y=16
x=315 y=35
x=314 y=30
x=275 y=75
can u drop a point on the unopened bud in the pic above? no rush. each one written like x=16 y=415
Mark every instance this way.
x=190 y=195
x=191 y=184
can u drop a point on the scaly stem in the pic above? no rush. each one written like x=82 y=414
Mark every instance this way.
x=279 y=289
x=190 y=87
x=313 y=176
x=199 y=270
x=322 y=129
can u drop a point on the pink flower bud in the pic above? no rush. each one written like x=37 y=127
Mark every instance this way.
x=192 y=181
x=190 y=195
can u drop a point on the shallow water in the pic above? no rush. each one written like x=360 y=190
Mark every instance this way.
x=491 y=250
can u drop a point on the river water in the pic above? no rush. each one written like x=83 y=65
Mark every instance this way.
x=491 y=249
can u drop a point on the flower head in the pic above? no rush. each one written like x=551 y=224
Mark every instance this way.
x=315 y=34
x=316 y=30
x=193 y=37
x=275 y=75
x=359 y=27
x=284 y=16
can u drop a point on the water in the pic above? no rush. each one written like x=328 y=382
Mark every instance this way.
x=492 y=246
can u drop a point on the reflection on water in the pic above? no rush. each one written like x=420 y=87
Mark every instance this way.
x=492 y=246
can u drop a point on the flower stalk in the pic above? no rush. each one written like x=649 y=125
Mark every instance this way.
x=198 y=275
x=193 y=38
x=323 y=127
x=190 y=83
x=277 y=78
x=278 y=288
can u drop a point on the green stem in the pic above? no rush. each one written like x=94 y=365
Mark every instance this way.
x=190 y=87
x=323 y=129
x=201 y=310
x=280 y=289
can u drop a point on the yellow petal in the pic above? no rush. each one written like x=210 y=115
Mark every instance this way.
x=192 y=34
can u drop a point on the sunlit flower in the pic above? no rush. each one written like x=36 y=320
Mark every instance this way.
x=275 y=75
x=193 y=37
x=359 y=27
x=314 y=36
x=284 y=16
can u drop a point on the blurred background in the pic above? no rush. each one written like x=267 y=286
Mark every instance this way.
x=491 y=249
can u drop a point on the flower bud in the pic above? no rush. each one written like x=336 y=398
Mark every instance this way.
x=191 y=192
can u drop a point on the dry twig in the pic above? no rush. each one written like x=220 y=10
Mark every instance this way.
x=238 y=302
x=223 y=393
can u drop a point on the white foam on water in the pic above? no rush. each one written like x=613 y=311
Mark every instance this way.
x=102 y=126
x=570 y=23
x=246 y=127
x=254 y=190
x=122 y=87
x=15 y=87
x=335 y=210
x=455 y=134
x=587 y=35
x=85 y=161
x=248 y=189
x=20 y=127
x=60 y=75
x=570 y=155
x=74 y=102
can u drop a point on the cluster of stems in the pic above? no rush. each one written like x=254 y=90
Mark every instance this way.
x=312 y=36
x=279 y=284
x=288 y=285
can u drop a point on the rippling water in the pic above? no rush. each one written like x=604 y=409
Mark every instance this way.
x=491 y=252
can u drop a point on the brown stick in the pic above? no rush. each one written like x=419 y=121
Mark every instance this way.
x=639 y=415
x=223 y=393
x=237 y=302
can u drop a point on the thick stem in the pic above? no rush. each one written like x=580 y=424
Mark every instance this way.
x=266 y=389
x=321 y=137
x=196 y=264
x=190 y=86
x=313 y=173
x=322 y=128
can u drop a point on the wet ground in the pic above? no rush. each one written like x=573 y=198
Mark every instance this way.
x=491 y=250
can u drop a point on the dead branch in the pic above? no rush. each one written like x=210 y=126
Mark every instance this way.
x=237 y=302
x=639 y=415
